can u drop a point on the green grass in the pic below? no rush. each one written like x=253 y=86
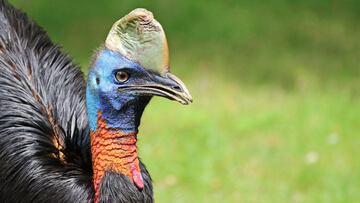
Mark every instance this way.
x=276 y=112
x=239 y=144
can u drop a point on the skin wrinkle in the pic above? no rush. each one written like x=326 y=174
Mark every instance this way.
x=112 y=150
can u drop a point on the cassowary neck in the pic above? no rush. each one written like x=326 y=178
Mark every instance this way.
x=113 y=139
x=114 y=150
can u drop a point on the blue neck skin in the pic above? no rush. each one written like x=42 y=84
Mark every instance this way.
x=121 y=111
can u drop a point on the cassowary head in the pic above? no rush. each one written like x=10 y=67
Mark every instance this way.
x=132 y=66
x=126 y=72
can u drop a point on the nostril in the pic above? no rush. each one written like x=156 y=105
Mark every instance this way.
x=177 y=88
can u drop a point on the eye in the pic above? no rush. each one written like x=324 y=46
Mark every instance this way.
x=121 y=76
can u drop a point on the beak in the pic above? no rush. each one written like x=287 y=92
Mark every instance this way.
x=166 y=85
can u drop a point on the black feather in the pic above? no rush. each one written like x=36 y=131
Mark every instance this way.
x=117 y=188
x=41 y=102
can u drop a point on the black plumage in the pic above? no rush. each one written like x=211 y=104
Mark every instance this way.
x=44 y=133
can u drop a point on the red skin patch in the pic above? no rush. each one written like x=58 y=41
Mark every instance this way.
x=113 y=150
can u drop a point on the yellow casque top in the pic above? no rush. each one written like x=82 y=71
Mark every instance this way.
x=140 y=38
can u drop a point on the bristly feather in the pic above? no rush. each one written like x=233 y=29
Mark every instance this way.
x=123 y=190
x=44 y=155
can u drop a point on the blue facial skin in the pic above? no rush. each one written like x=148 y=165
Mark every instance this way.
x=123 y=110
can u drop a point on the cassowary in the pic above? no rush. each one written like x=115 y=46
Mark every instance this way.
x=62 y=140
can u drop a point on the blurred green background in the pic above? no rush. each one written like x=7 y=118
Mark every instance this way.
x=276 y=87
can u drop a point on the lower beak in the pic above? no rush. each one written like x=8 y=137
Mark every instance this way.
x=167 y=85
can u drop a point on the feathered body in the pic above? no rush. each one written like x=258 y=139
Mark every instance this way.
x=44 y=133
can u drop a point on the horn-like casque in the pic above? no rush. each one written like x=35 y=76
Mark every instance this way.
x=140 y=38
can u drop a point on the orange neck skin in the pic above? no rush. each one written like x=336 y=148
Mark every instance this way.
x=113 y=150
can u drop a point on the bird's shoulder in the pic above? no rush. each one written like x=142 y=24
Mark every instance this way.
x=44 y=142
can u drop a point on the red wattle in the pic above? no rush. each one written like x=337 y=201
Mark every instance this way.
x=137 y=178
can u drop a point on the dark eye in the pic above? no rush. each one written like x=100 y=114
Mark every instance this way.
x=121 y=76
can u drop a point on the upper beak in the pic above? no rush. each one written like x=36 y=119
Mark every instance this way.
x=166 y=85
